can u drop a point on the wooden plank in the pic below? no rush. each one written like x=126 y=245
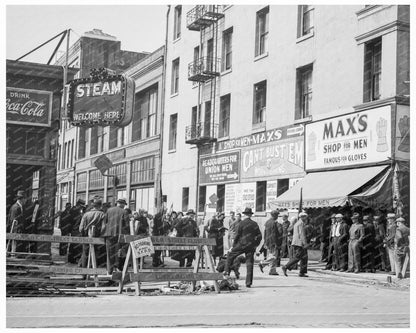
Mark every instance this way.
x=405 y=264
x=176 y=247
x=174 y=276
x=212 y=268
x=70 y=270
x=164 y=240
x=55 y=239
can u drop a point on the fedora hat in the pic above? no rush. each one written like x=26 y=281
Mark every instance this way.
x=247 y=211
x=190 y=211
x=122 y=201
x=20 y=194
x=81 y=201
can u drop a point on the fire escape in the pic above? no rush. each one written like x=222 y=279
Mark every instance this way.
x=204 y=68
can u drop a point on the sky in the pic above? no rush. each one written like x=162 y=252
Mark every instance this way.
x=137 y=27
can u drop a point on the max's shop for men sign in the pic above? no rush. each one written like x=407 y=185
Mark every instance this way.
x=142 y=247
x=355 y=139
x=28 y=107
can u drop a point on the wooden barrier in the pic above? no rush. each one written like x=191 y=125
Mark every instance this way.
x=163 y=243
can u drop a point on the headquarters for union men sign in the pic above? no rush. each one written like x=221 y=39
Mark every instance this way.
x=220 y=168
x=354 y=139
x=28 y=107
x=109 y=101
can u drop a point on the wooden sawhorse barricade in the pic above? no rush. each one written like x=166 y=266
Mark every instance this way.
x=162 y=243
x=91 y=269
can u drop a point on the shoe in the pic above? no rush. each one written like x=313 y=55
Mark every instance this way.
x=284 y=270
x=400 y=276
x=327 y=268
x=273 y=273
x=237 y=275
x=303 y=275
x=350 y=271
x=392 y=273
x=343 y=270
x=356 y=271
x=248 y=285
x=261 y=267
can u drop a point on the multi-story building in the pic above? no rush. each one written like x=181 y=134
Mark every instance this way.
x=133 y=149
x=33 y=106
x=94 y=49
x=243 y=83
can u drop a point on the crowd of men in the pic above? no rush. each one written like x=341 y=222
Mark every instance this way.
x=357 y=244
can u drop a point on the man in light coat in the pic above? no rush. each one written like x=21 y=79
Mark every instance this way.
x=300 y=243
x=272 y=242
x=355 y=243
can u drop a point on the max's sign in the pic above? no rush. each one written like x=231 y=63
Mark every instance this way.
x=28 y=106
x=106 y=101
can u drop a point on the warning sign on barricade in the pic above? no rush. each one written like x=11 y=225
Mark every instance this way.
x=142 y=247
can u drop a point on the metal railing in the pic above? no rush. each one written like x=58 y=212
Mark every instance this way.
x=202 y=16
x=204 y=69
x=201 y=132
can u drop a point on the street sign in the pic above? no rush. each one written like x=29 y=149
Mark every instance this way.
x=142 y=247
x=103 y=163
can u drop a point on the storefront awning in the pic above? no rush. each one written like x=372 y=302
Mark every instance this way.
x=326 y=189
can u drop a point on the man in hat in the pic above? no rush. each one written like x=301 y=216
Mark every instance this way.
x=16 y=221
x=379 y=251
x=389 y=240
x=215 y=230
x=187 y=227
x=65 y=226
x=75 y=250
x=247 y=238
x=272 y=242
x=325 y=230
x=331 y=242
x=285 y=226
x=115 y=223
x=354 y=246
x=401 y=245
x=340 y=244
x=367 y=253
x=90 y=226
x=301 y=243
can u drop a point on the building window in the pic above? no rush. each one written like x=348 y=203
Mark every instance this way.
x=305 y=20
x=185 y=198
x=224 y=121
x=210 y=55
x=173 y=127
x=116 y=137
x=144 y=118
x=177 y=22
x=72 y=153
x=195 y=117
x=262 y=31
x=282 y=186
x=120 y=170
x=175 y=76
x=97 y=140
x=35 y=179
x=207 y=120
x=82 y=181
x=303 y=92
x=34 y=143
x=83 y=140
x=372 y=70
x=96 y=179
x=143 y=170
x=202 y=198
x=227 y=50
x=221 y=198
x=259 y=112
x=59 y=156
x=261 y=196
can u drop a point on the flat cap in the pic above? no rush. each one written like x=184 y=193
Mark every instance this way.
x=122 y=201
x=339 y=216
x=400 y=219
x=303 y=214
x=355 y=216
x=391 y=216
x=284 y=214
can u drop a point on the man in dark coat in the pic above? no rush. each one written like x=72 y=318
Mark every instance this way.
x=16 y=221
x=285 y=227
x=216 y=231
x=325 y=230
x=66 y=227
x=75 y=250
x=115 y=223
x=367 y=252
x=272 y=242
x=331 y=242
x=187 y=227
x=401 y=245
x=248 y=237
x=160 y=228
x=379 y=250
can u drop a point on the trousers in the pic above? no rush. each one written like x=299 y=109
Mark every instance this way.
x=273 y=259
x=354 y=255
x=249 y=254
x=301 y=256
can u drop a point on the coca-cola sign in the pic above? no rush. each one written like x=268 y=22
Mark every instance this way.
x=28 y=107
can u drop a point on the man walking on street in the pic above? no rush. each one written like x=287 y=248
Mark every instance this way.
x=300 y=243
x=355 y=244
x=116 y=222
x=272 y=242
x=285 y=227
x=247 y=238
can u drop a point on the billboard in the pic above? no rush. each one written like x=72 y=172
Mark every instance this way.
x=107 y=101
x=28 y=107
x=402 y=133
x=358 y=138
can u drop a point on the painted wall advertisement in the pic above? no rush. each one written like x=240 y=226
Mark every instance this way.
x=28 y=106
x=271 y=194
x=403 y=133
x=220 y=168
x=358 y=138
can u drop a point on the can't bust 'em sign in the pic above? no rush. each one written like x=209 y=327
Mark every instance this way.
x=101 y=101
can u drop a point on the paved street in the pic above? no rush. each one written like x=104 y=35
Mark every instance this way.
x=322 y=300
